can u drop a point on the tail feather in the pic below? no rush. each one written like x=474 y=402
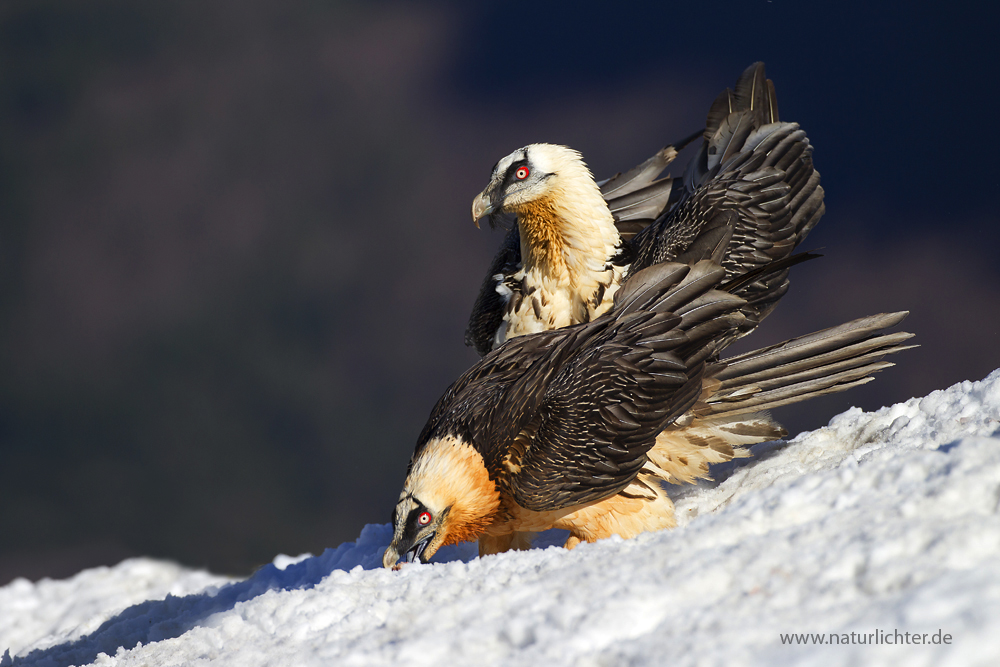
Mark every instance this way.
x=821 y=363
x=755 y=92
x=828 y=383
x=811 y=345
x=810 y=369
x=732 y=409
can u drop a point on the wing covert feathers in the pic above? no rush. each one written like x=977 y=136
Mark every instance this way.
x=637 y=372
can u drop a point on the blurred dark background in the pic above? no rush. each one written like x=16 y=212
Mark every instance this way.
x=236 y=255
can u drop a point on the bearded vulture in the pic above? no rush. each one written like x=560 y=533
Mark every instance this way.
x=576 y=241
x=559 y=429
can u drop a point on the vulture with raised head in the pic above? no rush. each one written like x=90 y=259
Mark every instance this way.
x=576 y=241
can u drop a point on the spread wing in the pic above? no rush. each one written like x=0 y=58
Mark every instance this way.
x=637 y=197
x=754 y=173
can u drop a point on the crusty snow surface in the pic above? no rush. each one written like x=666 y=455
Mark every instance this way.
x=880 y=522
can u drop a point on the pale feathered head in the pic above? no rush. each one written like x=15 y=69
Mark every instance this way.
x=527 y=175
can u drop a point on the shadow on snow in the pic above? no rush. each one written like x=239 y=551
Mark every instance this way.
x=156 y=620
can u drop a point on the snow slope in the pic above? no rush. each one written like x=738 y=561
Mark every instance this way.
x=880 y=522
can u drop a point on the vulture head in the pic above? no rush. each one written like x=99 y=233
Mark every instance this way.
x=533 y=176
x=448 y=497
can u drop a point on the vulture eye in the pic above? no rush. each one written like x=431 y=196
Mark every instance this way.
x=424 y=518
x=521 y=173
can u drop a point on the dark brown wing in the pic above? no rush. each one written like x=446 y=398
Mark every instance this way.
x=495 y=402
x=487 y=312
x=600 y=413
x=755 y=168
x=468 y=407
x=637 y=197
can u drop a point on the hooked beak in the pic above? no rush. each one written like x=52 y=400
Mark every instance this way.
x=391 y=558
x=481 y=206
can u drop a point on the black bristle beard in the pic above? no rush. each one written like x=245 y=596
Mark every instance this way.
x=505 y=221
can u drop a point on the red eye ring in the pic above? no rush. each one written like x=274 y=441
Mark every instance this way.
x=424 y=518
x=521 y=173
